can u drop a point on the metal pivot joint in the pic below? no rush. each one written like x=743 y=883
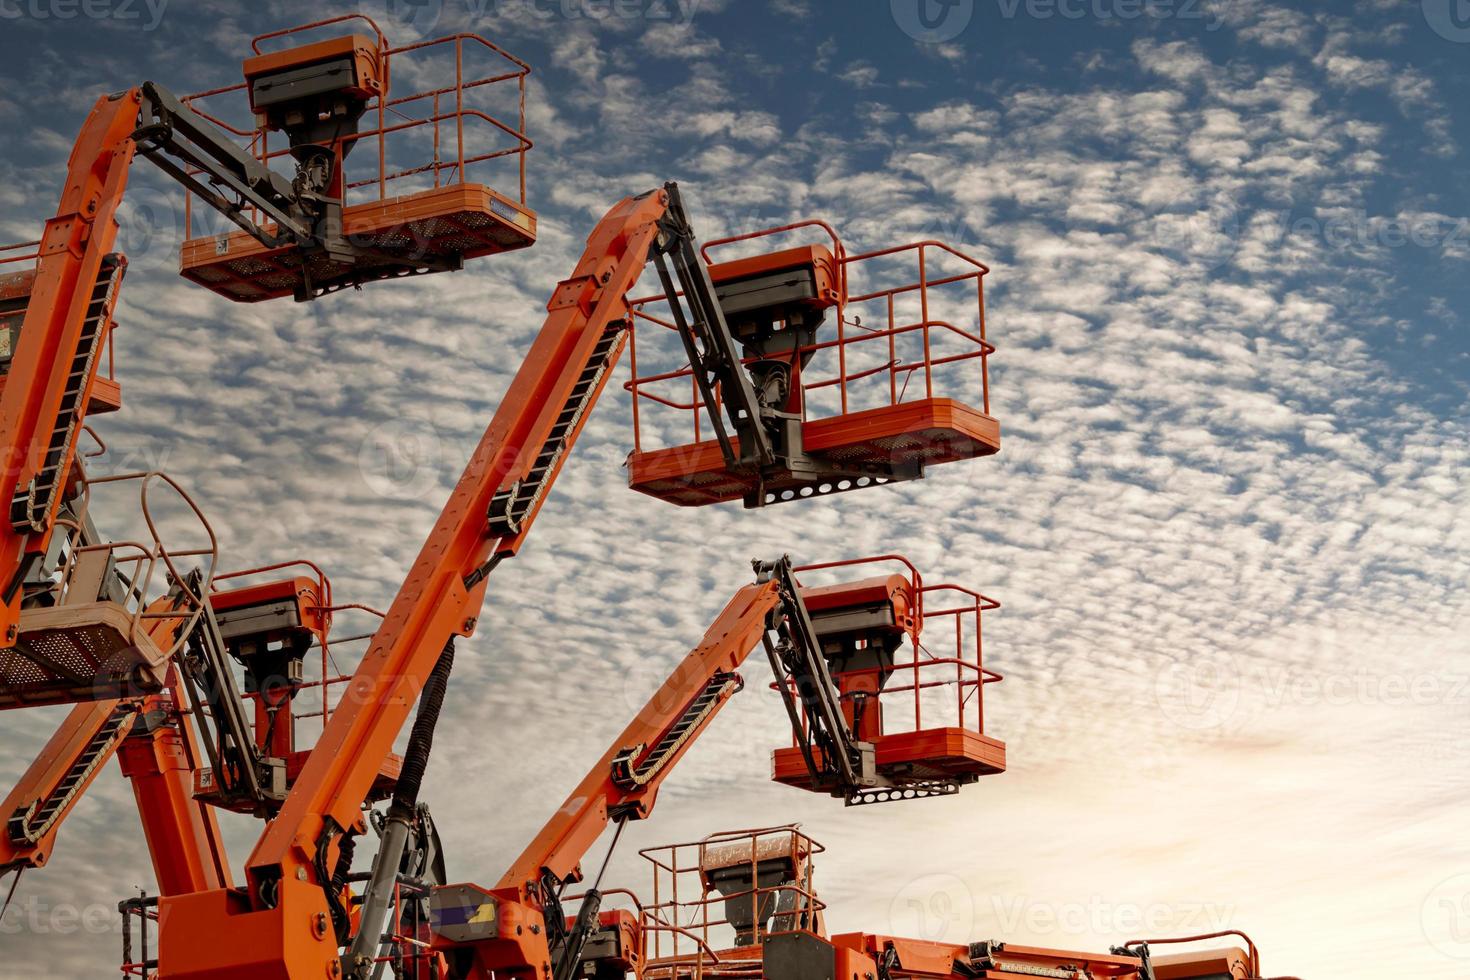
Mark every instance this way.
x=713 y=357
x=837 y=761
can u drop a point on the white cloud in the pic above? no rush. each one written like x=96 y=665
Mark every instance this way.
x=1205 y=454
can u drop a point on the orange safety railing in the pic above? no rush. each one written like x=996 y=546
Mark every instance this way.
x=30 y=254
x=1252 y=953
x=321 y=629
x=944 y=614
x=687 y=932
x=439 y=127
x=921 y=348
x=138 y=562
x=330 y=674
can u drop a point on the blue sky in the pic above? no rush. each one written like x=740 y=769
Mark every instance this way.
x=1229 y=522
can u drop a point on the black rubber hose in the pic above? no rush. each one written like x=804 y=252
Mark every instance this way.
x=421 y=739
x=344 y=863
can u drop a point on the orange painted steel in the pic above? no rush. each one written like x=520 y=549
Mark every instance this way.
x=183 y=836
x=925 y=959
x=70 y=262
x=15 y=296
x=563 y=841
x=695 y=475
x=311 y=595
x=451 y=218
x=863 y=413
x=182 y=831
x=685 y=924
x=601 y=797
x=464 y=220
x=91 y=648
x=1231 y=963
x=953 y=745
x=685 y=934
x=607 y=793
x=434 y=605
x=44 y=776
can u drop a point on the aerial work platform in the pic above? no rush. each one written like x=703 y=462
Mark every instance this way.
x=428 y=231
x=71 y=654
x=861 y=385
x=916 y=695
x=408 y=206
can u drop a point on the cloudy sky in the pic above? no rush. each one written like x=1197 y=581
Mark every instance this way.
x=1228 y=523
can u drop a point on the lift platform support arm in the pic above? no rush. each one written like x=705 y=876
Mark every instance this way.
x=186 y=146
x=530 y=927
x=51 y=373
x=713 y=356
x=55 y=361
x=489 y=513
x=833 y=756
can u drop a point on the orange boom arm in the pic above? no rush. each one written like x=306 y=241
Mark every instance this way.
x=45 y=391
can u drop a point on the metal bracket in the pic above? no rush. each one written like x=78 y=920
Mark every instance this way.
x=835 y=759
x=713 y=356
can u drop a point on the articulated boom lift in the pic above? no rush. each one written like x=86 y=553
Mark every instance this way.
x=744 y=904
x=122 y=630
x=519 y=928
x=194 y=684
x=515 y=928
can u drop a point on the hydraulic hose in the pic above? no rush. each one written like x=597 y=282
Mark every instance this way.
x=399 y=821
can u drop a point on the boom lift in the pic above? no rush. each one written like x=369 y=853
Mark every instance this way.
x=515 y=927
x=295 y=878
x=79 y=624
x=57 y=318
x=147 y=651
x=490 y=512
x=743 y=904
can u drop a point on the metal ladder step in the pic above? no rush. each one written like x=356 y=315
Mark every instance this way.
x=30 y=824
x=510 y=505
x=32 y=504
x=630 y=776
